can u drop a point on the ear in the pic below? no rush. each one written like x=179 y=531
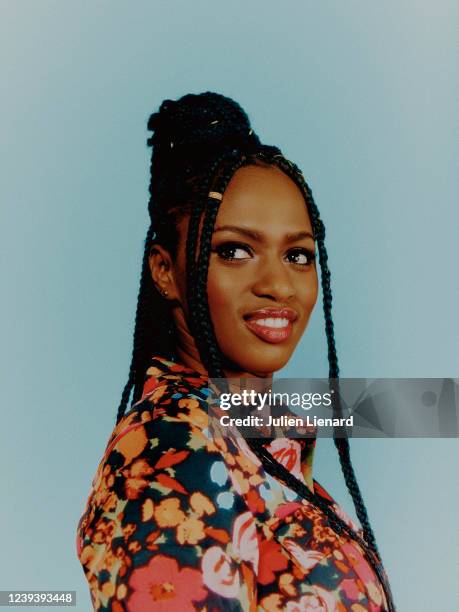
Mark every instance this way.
x=162 y=271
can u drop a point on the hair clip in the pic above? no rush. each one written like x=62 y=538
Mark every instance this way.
x=215 y=195
x=250 y=132
x=214 y=122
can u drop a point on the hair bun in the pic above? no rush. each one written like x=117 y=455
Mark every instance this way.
x=206 y=119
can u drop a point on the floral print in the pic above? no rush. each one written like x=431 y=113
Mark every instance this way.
x=179 y=520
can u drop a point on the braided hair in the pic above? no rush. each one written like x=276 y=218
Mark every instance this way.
x=198 y=143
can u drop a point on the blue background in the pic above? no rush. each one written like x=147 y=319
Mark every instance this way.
x=363 y=96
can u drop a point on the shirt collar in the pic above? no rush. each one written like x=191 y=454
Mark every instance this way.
x=162 y=370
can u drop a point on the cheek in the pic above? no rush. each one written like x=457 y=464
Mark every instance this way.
x=308 y=294
x=223 y=292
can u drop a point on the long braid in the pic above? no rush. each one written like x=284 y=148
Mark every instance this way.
x=340 y=440
x=206 y=338
x=192 y=237
x=342 y=443
x=138 y=330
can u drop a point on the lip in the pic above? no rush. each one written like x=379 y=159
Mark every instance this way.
x=273 y=335
x=272 y=313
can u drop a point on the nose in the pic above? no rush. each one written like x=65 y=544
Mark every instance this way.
x=274 y=282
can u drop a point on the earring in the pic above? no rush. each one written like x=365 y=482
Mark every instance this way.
x=164 y=292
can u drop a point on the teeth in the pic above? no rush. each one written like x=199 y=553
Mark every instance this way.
x=273 y=322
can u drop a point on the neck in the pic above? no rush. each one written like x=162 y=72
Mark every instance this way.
x=189 y=356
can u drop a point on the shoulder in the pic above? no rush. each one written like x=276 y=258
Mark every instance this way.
x=164 y=373
x=169 y=398
x=172 y=417
x=164 y=505
x=159 y=449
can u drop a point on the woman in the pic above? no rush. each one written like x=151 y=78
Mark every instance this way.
x=176 y=519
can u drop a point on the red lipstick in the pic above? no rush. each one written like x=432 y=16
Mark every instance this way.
x=272 y=325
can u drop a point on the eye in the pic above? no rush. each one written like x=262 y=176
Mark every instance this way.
x=301 y=256
x=233 y=250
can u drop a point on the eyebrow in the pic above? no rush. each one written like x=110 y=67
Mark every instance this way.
x=255 y=235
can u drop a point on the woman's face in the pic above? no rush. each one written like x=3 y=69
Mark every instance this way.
x=262 y=280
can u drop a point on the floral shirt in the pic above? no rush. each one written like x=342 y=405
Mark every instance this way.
x=179 y=520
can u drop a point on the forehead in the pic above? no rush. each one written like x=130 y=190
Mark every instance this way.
x=260 y=197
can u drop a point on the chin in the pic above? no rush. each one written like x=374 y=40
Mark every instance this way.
x=263 y=361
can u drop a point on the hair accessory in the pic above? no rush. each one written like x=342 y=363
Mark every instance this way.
x=215 y=195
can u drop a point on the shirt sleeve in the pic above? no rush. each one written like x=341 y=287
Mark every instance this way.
x=165 y=528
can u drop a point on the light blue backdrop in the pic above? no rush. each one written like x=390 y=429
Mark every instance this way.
x=363 y=96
